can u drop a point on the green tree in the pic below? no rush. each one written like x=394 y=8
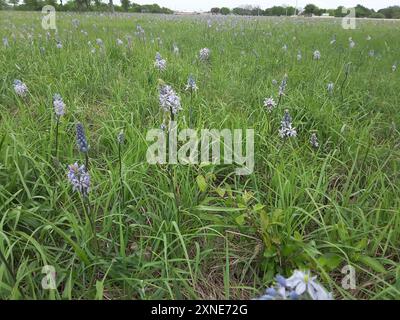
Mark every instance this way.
x=14 y=2
x=215 y=10
x=339 y=12
x=125 y=5
x=237 y=11
x=377 y=15
x=392 y=12
x=32 y=5
x=225 y=11
x=111 y=5
x=362 y=12
x=278 y=11
x=311 y=9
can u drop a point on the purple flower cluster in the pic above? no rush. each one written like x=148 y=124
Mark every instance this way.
x=204 y=54
x=169 y=100
x=314 y=140
x=79 y=178
x=20 y=88
x=270 y=104
x=81 y=138
x=283 y=85
x=160 y=63
x=191 y=84
x=59 y=105
x=286 y=130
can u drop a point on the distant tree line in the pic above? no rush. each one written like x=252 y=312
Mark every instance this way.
x=392 y=12
x=82 y=5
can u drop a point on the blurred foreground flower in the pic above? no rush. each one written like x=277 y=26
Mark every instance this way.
x=300 y=286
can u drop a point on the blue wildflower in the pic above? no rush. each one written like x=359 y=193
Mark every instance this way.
x=81 y=138
x=59 y=105
x=79 y=178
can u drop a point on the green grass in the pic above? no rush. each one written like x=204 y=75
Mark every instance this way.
x=301 y=208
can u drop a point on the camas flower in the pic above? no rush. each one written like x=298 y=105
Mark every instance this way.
x=20 y=88
x=119 y=42
x=121 y=137
x=59 y=45
x=81 y=138
x=79 y=178
x=129 y=40
x=175 y=49
x=282 y=87
x=314 y=140
x=331 y=86
x=352 y=44
x=270 y=104
x=191 y=84
x=280 y=291
x=169 y=100
x=5 y=42
x=59 y=105
x=286 y=130
x=299 y=286
x=394 y=67
x=299 y=56
x=204 y=54
x=316 y=55
x=302 y=282
x=160 y=63
x=140 y=33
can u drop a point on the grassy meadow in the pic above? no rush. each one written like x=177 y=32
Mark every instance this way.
x=198 y=231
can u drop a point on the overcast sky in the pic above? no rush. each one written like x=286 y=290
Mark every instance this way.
x=206 y=5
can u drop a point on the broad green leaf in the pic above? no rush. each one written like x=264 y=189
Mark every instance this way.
x=373 y=263
x=201 y=182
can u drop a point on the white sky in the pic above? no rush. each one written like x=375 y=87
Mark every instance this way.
x=206 y=5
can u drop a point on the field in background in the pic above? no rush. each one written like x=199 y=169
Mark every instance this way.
x=186 y=232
